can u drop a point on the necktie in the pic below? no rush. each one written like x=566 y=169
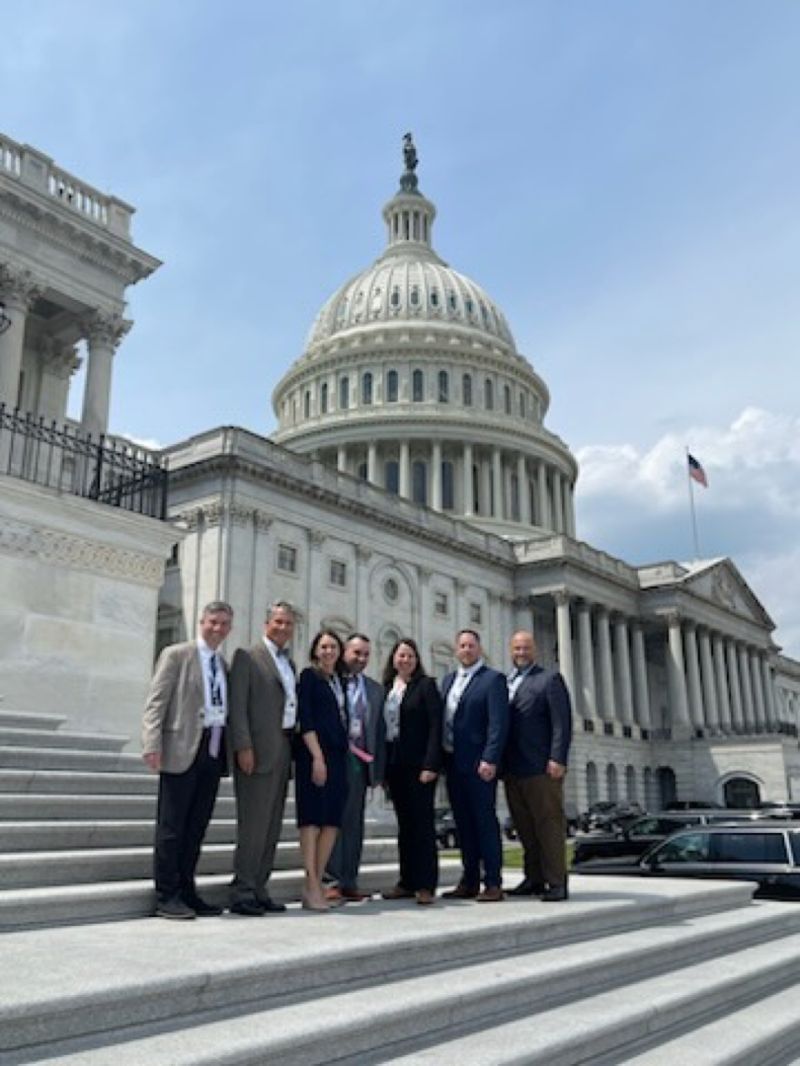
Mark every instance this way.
x=358 y=713
x=216 y=699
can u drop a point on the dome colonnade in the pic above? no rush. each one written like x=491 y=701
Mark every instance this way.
x=411 y=381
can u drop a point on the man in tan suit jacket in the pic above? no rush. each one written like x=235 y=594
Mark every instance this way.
x=183 y=739
x=263 y=715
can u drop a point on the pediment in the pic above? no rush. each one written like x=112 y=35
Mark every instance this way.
x=721 y=583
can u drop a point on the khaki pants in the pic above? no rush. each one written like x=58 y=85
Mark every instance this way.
x=537 y=807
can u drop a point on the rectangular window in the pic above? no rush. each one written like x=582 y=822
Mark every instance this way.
x=287 y=558
x=440 y=604
x=338 y=573
x=475 y=614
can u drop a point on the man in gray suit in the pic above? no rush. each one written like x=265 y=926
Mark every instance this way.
x=263 y=716
x=365 y=769
x=183 y=740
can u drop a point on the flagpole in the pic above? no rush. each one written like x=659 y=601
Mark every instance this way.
x=692 y=510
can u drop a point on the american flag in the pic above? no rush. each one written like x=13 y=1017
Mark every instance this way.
x=696 y=471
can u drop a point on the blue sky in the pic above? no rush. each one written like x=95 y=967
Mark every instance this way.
x=620 y=176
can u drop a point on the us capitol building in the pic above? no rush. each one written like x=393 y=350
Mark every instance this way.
x=412 y=488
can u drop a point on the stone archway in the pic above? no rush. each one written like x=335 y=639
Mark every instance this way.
x=742 y=792
x=667 y=785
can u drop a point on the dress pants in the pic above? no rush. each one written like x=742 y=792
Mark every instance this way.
x=416 y=829
x=473 y=804
x=185 y=805
x=536 y=804
x=346 y=855
x=260 y=801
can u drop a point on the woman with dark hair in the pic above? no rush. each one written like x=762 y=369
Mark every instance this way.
x=321 y=760
x=412 y=712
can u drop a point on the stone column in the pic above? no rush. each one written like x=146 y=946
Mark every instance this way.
x=18 y=290
x=363 y=556
x=541 y=495
x=757 y=680
x=436 y=475
x=747 y=689
x=623 y=662
x=341 y=458
x=737 y=714
x=695 y=692
x=315 y=579
x=676 y=676
x=771 y=710
x=58 y=362
x=104 y=332
x=468 y=488
x=640 y=687
x=586 y=661
x=708 y=682
x=524 y=491
x=558 y=509
x=723 y=697
x=372 y=463
x=564 y=637
x=607 y=699
x=497 y=477
x=404 y=476
x=569 y=510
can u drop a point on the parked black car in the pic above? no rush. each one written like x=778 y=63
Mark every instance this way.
x=624 y=845
x=764 y=852
x=609 y=814
x=692 y=805
x=446 y=833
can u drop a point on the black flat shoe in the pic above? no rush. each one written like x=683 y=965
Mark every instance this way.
x=271 y=906
x=250 y=908
x=203 y=909
x=555 y=894
x=526 y=888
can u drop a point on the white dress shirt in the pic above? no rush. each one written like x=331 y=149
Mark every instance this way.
x=281 y=659
x=464 y=675
x=215 y=689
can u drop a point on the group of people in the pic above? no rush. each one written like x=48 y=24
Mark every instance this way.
x=345 y=733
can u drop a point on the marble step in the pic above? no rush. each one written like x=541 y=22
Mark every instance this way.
x=32 y=869
x=766 y=1032
x=88 y=782
x=14 y=757
x=381 y=974
x=119 y=901
x=58 y=807
x=604 y=1028
x=30 y=720
x=58 y=738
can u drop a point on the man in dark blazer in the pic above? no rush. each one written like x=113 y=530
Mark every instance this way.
x=183 y=740
x=263 y=717
x=534 y=768
x=367 y=738
x=475 y=730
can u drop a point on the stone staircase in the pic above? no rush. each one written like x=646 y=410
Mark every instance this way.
x=76 y=830
x=629 y=971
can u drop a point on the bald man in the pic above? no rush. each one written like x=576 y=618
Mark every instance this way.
x=535 y=764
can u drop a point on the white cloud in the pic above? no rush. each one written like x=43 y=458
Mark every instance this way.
x=635 y=503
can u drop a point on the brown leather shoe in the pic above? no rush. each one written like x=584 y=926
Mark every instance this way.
x=352 y=895
x=398 y=892
x=425 y=898
x=491 y=895
x=333 y=894
x=461 y=892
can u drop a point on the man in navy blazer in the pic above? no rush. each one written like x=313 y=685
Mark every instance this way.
x=534 y=768
x=475 y=731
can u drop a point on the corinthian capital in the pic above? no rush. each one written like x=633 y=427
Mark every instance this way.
x=103 y=328
x=18 y=288
x=60 y=359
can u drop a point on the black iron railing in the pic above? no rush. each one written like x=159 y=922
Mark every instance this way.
x=106 y=469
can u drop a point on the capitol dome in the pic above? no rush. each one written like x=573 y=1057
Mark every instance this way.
x=411 y=380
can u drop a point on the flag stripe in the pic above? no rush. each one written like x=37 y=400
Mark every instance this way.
x=696 y=471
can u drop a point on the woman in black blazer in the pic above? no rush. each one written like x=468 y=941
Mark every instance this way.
x=412 y=713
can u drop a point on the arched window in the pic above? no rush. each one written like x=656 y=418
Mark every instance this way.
x=742 y=793
x=612 y=788
x=488 y=394
x=366 y=388
x=507 y=399
x=466 y=390
x=307 y=404
x=444 y=387
x=448 y=486
x=650 y=798
x=323 y=397
x=417 y=386
x=419 y=482
x=631 y=791
x=522 y=405
x=592 y=790
x=391 y=476
x=667 y=786
x=391 y=387
x=344 y=393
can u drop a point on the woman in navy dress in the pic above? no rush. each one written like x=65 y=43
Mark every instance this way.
x=321 y=759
